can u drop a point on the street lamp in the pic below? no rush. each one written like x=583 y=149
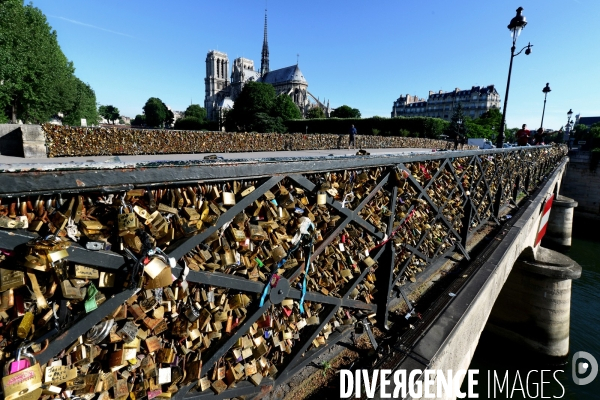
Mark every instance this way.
x=568 y=127
x=546 y=90
x=516 y=26
x=457 y=136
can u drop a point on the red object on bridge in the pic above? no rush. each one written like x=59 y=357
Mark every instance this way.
x=544 y=220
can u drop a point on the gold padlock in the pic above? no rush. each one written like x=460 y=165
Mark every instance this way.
x=228 y=198
x=25 y=384
x=11 y=279
x=127 y=220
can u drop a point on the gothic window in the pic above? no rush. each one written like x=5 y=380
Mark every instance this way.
x=218 y=68
x=223 y=69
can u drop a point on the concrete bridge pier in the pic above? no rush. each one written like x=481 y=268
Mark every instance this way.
x=533 y=309
x=560 y=223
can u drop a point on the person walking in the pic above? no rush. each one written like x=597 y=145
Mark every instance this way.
x=351 y=141
x=539 y=137
x=523 y=136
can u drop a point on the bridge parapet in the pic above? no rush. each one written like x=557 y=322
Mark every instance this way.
x=273 y=261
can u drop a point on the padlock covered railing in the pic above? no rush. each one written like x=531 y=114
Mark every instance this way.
x=228 y=277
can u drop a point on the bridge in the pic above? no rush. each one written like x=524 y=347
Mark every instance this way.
x=226 y=277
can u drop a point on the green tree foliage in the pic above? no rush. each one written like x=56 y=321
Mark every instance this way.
x=580 y=131
x=155 y=112
x=315 y=112
x=254 y=98
x=110 y=113
x=36 y=78
x=491 y=119
x=169 y=117
x=83 y=105
x=139 y=120
x=195 y=111
x=190 y=124
x=284 y=107
x=425 y=127
x=457 y=130
x=258 y=109
x=345 y=112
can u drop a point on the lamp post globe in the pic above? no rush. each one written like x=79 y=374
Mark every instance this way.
x=516 y=26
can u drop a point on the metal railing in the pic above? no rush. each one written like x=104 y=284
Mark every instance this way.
x=376 y=219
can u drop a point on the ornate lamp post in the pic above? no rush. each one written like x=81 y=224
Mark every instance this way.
x=546 y=90
x=516 y=26
x=568 y=127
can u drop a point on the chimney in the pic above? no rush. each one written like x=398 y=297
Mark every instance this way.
x=456 y=90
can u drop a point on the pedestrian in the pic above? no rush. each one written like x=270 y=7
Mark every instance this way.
x=523 y=136
x=539 y=137
x=352 y=134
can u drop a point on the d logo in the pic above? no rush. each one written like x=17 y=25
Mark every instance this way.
x=590 y=364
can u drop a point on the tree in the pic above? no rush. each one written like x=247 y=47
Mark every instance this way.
x=195 y=111
x=580 y=131
x=251 y=110
x=83 y=105
x=155 y=112
x=110 y=113
x=254 y=98
x=139 y=120
x=169 y=117
x=315 y=113
x=266 y=123
x=345 y=112
x=457 y=130
x=35 y=76
x=190 y=124
x=285 y=108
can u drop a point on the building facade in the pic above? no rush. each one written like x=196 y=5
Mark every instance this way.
x=222 y=87
x=476 y=101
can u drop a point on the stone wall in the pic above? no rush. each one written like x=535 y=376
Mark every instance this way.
x=581 y=184
x=26 y=141
x=79 y=141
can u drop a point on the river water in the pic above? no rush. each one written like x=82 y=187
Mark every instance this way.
x=585 y=335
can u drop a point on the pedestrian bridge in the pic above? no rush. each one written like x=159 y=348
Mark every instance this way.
x=225 y=278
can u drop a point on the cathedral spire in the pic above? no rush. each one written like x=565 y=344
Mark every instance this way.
x=264 y=59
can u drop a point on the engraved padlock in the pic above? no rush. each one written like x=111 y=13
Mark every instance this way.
x=127 y=220
x=22 y=378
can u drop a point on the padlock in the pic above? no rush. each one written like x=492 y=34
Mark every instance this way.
x=166 y=355
x=228 y=198
x=22 y=378
x=11 y=279
x=127 y=221
x=321 y=198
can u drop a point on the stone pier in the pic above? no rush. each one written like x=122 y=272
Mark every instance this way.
x=534 y=307
x=560 y=224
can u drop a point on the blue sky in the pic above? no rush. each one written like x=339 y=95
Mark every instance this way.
x=363 y=54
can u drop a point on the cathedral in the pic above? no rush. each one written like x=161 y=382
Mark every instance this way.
x=222 y=89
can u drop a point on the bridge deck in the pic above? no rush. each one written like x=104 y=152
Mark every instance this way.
x=8 y=160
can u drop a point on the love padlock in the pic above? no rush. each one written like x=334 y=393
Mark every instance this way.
x=127 y=220
x=22 y=378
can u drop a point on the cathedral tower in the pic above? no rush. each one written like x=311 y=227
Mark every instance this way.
x=216 y=81
x=264 y=58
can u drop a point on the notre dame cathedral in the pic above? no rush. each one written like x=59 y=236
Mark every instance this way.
x=221 y=92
